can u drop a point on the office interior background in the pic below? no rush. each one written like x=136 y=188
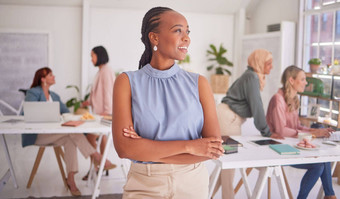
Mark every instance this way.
x=74 y=27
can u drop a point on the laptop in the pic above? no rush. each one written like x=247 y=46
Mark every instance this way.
x=41 y=112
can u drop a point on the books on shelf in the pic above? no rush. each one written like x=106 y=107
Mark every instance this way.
x=285 y=149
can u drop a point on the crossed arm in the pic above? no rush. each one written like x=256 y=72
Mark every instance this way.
x=129 y=145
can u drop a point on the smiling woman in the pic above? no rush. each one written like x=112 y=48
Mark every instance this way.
x=164 y=118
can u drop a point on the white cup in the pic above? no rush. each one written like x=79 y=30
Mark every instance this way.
x=67 y=116
x=306 y=136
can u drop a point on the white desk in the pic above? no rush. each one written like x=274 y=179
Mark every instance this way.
x=270 y=162
x=46 y=128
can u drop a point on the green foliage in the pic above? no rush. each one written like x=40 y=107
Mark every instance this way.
x=315 y=61
x=218 y=59
x=185 y=60
x=76 y=101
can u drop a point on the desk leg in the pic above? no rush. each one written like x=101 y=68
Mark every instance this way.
x=245 y=181
x=8 y=157
x=96 y=190
x=281 y=182
x=92 y=171
x=213 y=178
x=321 y=193
x=263 y=175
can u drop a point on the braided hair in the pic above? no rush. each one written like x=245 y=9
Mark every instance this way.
x=150 y=24
x=293 y=103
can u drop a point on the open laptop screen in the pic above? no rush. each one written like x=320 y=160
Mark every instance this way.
x=41 y=112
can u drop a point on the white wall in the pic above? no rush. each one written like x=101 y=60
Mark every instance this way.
x=64 y=26
x=119 y=32
x=116 y=29
x=272 y=12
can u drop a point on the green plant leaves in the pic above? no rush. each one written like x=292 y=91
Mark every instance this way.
x=87 y=96
x=77 y=105
x=75 y=101
x=315 y=61
x=220 y=60
x=71 y=102
x=210 y=67
x=73 y=86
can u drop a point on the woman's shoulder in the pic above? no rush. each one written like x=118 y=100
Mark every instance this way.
x=278 y=97
x=54 y=93
x=106 y=68
x=191 y=74
x=36 y=89
x=250 y=75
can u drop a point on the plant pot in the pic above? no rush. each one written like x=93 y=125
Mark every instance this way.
x=314 y=68
x=219 y=83
x=81 y=111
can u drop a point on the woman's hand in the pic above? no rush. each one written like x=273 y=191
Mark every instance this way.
x=319 y=133
x=130 y=132
x=207 y=147
x=277 y=136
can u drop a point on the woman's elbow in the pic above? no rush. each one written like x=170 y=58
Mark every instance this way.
x=121 y=152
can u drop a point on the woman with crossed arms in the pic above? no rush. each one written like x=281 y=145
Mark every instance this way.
x=164 y=118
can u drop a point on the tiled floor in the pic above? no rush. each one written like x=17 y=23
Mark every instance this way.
x=48 y=183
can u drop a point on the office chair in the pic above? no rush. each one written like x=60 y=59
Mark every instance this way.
x=57 y=150
x=58 y=153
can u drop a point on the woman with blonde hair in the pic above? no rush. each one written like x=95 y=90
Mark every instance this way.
x=243 y=100
x=283 y=119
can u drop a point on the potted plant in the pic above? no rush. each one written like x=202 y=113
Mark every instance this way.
x=77 y=101
x=220 y=80
x=314 y=64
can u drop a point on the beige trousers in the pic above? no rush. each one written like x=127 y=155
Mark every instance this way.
x=230 y=124
x=70 y=142
x=170 y=181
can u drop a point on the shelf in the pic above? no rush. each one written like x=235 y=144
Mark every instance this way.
x=306 y=119
x=319 y=86
x=318 y=97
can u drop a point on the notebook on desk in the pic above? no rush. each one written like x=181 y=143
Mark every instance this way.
x=41 y=112
x=284 y=149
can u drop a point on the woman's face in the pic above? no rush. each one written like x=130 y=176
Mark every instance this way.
x=299 y=83
x=49 y=79
x=173 y=37
x=93 y=58
x=268 y=65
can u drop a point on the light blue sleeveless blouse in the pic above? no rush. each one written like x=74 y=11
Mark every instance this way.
x=165 y=103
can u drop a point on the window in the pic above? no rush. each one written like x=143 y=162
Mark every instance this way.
x=321 y=31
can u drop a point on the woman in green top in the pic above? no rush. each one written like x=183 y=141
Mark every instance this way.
x=243 y=100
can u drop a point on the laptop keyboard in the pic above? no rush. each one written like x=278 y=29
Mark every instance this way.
x=334 y=137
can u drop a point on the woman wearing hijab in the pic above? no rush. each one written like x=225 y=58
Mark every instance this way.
x=243 y=100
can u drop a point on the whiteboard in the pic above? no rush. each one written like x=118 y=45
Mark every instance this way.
x=21 y=54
